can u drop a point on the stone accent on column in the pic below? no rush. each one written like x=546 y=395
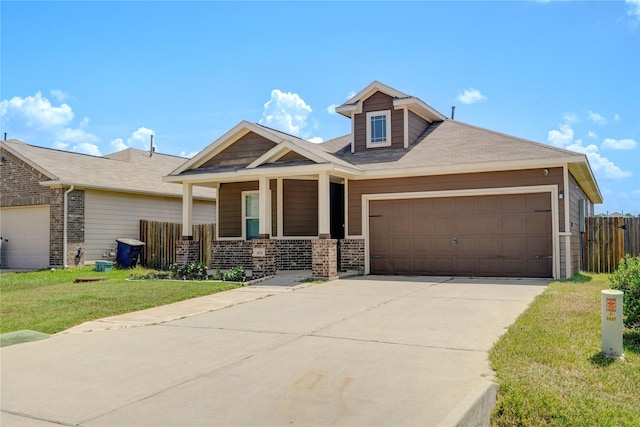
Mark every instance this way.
x=325 y=258
x=264 y=257
x=187 y=251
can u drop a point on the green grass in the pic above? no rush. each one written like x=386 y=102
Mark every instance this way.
x=50 y=302
x=551 y=371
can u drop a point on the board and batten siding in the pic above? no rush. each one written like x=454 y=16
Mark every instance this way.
x=110 y=216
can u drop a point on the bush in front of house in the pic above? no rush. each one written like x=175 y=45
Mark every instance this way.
x=235 y=274
x=627 y=279
x=191 y=271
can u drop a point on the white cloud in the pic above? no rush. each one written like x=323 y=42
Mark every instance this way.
x=592 y=135
x=118 y=145
x=59 y=95
x=36 y=120
x=141 y=138
x=616 y=116
x=315 y=140
x=188 y=155
x=331 y=109
x=562 y=137
x=597 y=118
x=618 y=144
x=286 y=111
x=351 y=94
x=470 y=96
x=570 y=118
x=634 y=8
x=603 y=167
x=35 y=112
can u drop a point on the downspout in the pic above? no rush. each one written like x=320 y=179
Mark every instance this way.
x=65 y=226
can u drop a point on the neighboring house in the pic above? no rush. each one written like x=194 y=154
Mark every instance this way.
x=407 y=192
x=104 y=199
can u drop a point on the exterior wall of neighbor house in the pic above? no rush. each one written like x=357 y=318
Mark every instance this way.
x=416 y=126
x=518 y=178
x=242 y=152
x=20 y=183
x=376 y=102
x=112 y=215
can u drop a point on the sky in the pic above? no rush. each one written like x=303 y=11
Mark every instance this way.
x=98 y=77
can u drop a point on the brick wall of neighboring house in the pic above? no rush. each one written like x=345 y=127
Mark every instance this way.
x=20 y=183
x=293 y=254
x=352 y=254
x=227 y=254
x=75 y=227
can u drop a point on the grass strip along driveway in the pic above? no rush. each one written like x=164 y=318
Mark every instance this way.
x=550 y=368
x=50 y=301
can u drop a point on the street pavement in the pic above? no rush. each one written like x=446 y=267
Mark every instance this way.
x=364 y=351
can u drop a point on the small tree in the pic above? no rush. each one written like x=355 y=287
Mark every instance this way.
x=627 y=279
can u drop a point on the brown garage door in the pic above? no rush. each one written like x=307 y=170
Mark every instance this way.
x=492 y=236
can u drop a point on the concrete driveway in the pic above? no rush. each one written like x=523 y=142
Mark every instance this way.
x=374 y=351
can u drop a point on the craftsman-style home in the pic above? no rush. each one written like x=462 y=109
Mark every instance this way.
x=408 y=192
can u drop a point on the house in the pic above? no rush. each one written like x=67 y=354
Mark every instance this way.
x=408 y=192
x=55 y=202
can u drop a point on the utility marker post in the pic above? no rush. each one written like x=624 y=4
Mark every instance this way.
x=612 y=322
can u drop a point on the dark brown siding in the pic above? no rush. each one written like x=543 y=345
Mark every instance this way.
x=519 y=178
x=376 y=102
x=300 y=207
x=291 y=155
x=242 y=152
x=230 y=207
x=574 y=257
x=416 y=125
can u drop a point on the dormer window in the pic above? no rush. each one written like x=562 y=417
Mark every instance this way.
x=379 y=129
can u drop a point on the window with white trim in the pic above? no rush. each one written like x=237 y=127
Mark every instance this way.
x=379 y=129
x=250 y=214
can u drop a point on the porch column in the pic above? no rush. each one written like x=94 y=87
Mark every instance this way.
x=324 y=206
x=187 y=210
x=264 y=225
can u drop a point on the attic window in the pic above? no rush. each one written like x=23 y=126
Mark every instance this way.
x=379 y=129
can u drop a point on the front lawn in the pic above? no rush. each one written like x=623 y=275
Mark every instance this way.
x=50 y=302
x=550 y=369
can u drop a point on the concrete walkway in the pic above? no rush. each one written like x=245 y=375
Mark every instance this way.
x=384 y=351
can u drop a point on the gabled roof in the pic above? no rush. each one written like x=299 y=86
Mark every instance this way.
x=130 y=170
x=400 y=100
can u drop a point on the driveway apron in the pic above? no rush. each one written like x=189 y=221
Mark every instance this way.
x=383 y=351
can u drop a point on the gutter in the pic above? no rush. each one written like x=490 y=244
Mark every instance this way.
x=65 y=225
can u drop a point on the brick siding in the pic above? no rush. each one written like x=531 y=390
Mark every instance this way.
x=187 y=251
x=227 y=254
x=352 y=255
x=293 y=255
x=325 y=258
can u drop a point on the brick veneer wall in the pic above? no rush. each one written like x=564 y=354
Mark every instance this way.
x=227 y=254
x=325 y=258
x=20 y=183
x=293 y=254
x=187 y=251
x=265 y=263
x=352 y=254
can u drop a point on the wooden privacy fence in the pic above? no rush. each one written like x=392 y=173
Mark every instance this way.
x=607 y=240
x=160 y=242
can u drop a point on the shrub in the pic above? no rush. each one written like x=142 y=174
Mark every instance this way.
x=627 y=279
x=191 y=271
x=235 y=274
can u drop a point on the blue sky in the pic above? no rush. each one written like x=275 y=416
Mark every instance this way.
x=96 y=77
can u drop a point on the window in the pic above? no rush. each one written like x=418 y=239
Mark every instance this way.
x=251 y=214
x=379 y=129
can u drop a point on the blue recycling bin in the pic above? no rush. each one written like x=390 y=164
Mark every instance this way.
x=128 y=252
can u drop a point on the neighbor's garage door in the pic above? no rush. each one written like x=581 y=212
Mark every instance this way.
x=27 y=232
x=498 y=235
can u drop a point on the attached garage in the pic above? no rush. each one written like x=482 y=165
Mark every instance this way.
x=27 y=231
x=497 y=235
